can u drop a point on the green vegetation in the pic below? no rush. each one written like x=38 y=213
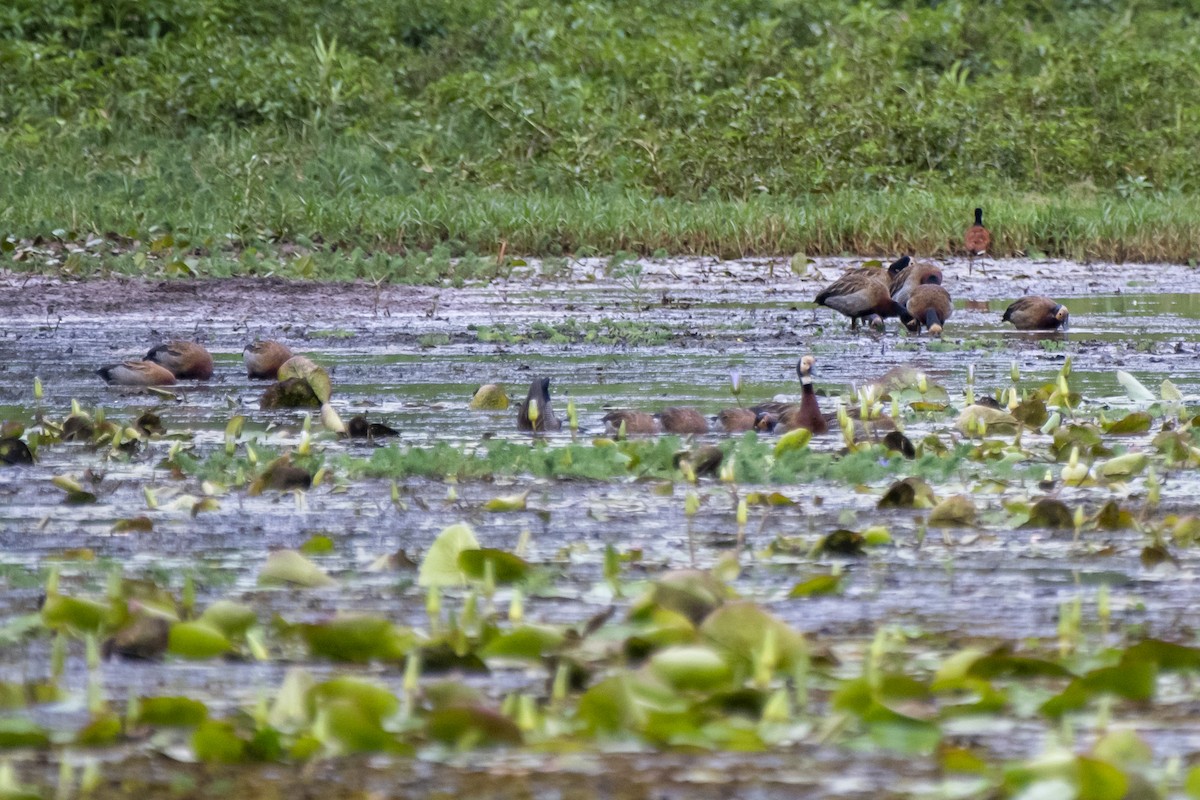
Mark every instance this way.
x=723 y=127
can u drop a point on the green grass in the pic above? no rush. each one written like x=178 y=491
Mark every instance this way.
x=721 y=127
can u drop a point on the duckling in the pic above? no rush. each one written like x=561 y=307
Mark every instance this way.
x=806 y=413
x=977 y=239
x=1037 y=313
x=184 y=359
x=635 y=422
x=929 y=306
x=859 y=294
x=544 y=418
x=264 y=358
x=682 y=420
x=915 y=274
x=137 y=373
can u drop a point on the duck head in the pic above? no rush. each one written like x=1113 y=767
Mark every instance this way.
x=1063 y=316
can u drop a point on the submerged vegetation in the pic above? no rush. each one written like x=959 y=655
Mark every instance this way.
x=726 y=127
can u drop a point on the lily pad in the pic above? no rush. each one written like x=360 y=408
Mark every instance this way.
x=441 y=566
x=506 y=567
x=291 y=568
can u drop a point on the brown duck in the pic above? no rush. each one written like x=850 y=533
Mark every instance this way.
x=636 y=423
x=929 y=306
x=137 y=373
x=1037 y=313
x=682 y=420
x=806 y=413
x=740 y=420
x=264 y=358
x=915 y=274
x=976 y=239
x=184 y=359
x=859 y=294
x=539 y=397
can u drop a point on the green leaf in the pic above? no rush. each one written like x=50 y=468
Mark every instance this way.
x=357 y=639
x=739 y=631
x=217 y=742
x=197 y=640
x=79 y=614
x=230 y=618
x=817 y=585
x=289 y=567
x=19 y=732
x=1135 y=422
x=472 y=725
x=506 y=567
x=528 y=642
x=691 y=668
x=440 y=567
x=374 y=700
x=183 y=712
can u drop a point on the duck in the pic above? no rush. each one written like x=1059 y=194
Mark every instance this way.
x=806 y=413
x=634 y=422
x=977 y=239
x=187 y=360
x=137 y=373
x=676 y=419
x=264 y=358
x=863 y=294
x=930 y=306
x=1037 y=313
x=740 y=420
x=915 y=274
x=539 y=397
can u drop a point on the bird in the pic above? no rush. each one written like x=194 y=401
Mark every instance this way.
x=682 y=420
x=1037 y=313
x=806 y=413
x=740 y=420
x=910 y=277
x=634 y=422
x=535 y=412
x=184 y=359
x=264 y=358
x=861 y=294
x=137 y=373
x=930 y=306
x=976 y=239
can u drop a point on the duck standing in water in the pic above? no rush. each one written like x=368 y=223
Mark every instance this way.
x=806 y=413
x=264 y=358
x=1037 y=313
x=930 y=306
x=917 y=273
x=186 y=360
x=535 y=412
x=864 y=294
x=682 y=420
x=977 y=239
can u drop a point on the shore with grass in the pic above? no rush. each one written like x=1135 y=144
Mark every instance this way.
x=222 y=136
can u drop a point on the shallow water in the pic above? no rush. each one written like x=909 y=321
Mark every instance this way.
x=413 y=356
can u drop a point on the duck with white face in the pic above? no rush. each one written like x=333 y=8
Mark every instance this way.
x=1037 y=313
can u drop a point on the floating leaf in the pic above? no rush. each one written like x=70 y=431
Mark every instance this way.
x=489 y=397
x=955 y=510
x=908 y=493
x=142 y=524
x=507 y=568
x=991 y=420
x=1123 y=466
x=1134 y=422
x=1170 y=392
x=817 y=585
x=230 y=618
x=1050 y=513
x=440 y=567
x=72 y=612
x=317 y=544
x=472 y=724
x=217 y=742
x=1112 y=517
x=739 y=629
x=842 y=542
x=769 y=499
x=1134 y=388
x=357 y=639
x=182 y=712
x=197 y=640
x=372 y=699
x=691 y=668
x=511 y=502
x=289 y=567
x=527 y=641
x=797 y=439
x=18 y=732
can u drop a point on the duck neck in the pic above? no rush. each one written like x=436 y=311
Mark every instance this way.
x=931 y=318
x=979 y=216
x=806 y=385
